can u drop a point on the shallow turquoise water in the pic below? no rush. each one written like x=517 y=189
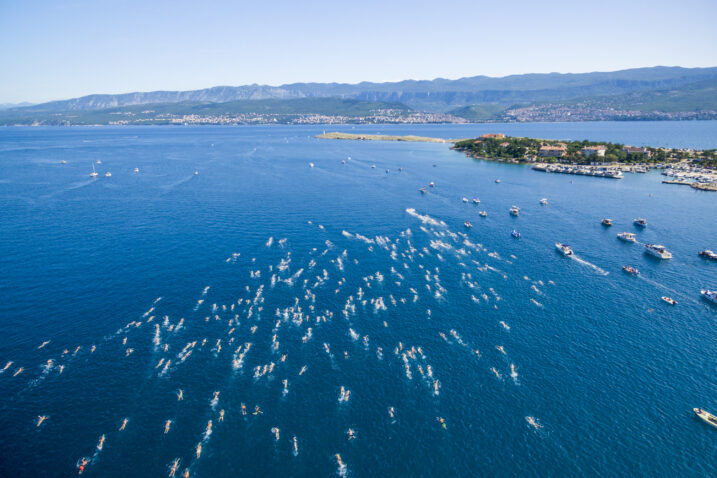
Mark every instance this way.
x=609 y=372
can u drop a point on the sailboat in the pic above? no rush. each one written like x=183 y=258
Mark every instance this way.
x=93 y=174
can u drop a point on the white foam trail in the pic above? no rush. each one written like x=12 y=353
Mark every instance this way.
x=425 y=218
x=269 y=242
x=589 y=264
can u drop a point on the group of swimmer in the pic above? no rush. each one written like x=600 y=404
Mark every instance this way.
x=242 y=317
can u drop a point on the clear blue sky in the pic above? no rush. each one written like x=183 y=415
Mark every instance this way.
x=61 y=49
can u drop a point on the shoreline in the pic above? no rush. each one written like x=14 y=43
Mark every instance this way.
x=385 y=137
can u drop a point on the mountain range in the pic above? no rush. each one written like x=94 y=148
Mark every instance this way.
x=666 y=91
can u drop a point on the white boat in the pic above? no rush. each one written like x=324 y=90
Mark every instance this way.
x=640 y=221
x=706 y=416
x=93 y=174
x=136 y=170
x=196 y=172
x=497 y=181
x=669 y=300
x=483 y=213
x=476 y=201
x=627 y=237
x=544 y=202
x=564 y=249
x=311 y=165
x=465 y=199
x=515 y=211
x=63 y=162
x=658 y=251
x=108 y=174
x=708 y=254
x=710 y=295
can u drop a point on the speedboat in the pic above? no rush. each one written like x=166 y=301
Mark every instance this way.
x=468 y=224
x=431 y=184
x=606 y=222
x=515 y=234
x=136 y=170
x=311 y=165
x=706 y=416
x=640 y=221
x=483 y=214
x=544 y=202
x=631 y=270
x=93 y=174
x=627 y=237
x=515 y=211
x=708 y=254
x=373 y=166
x=564 y=249
x=423 y=190
x=497 y=181
x=196 y=172
x=465 y=199
x=476 y=201
x=669 y=300
x=63 y=162
x=658 y=251
x=710 y=295
x=108 y=174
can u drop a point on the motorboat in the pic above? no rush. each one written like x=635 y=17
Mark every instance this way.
x=515 y=234
x=710 y=295
x=631 y=270
x=196 y=172
x=564 y=249
x=136 y=170
x=423 y=190
x=606 y=222
x=468 y=224
x=465 y=199
x=311 y=165
x=476 y=201
x=627 y=237
x=669 y=300
x=515 y=211
x=93 y=174
x=431 y=184
x=497 y=181
x=108 y=174
x=544 y=202
x=483 y=213
x=658 y=251
x=708 y=254
x=706 y=416
x=640 y=222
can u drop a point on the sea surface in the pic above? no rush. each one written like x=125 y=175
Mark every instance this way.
x=461 y=352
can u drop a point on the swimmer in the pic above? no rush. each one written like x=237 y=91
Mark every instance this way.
x=216 y=397
x=92 y=350
x=391 y=412
x=477 y=352
x=180 y=395
x=243 y=409
x=124 y=424
x=167 y=424
x=208 y=429
x=296 y=446
x=303 y=369
x=18 y=371
x=275 y=431
x=82 y=464
x=199 y=450
x=500 y=349
x=173 y=469
x=338 y=460
x=124 y=341
x=533 y=422
x=351 y=434
x=497 y=374
x=505 y=326
x=221 y=415
x=442 y=422
x=43 y=344
x=186 y=473
x=257 y=410
x=101 y=443
x=7 y=366
x=41 y=419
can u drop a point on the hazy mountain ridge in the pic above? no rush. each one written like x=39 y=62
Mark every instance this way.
x=438 y=95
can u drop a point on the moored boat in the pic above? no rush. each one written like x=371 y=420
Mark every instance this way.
x=640 y=222
x=564 y=249
x=476 y=201
x=627 y=237
x=431 y=184
x=544 y=202
x=631 y=270
x=606 y=222
x=423 y=190
x=710 y=295
x=465 y=199
x=708 y=254
x=483 y=213
x=468 y=224
x=658 y=251
x=497 y=181
x=515 y=234
x=669 y=300
x=706 y=416
x=515 y=211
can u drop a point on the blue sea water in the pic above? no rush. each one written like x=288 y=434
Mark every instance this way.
x=608 y=372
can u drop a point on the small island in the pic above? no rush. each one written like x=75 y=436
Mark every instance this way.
x=383 y=137
x=696 y=168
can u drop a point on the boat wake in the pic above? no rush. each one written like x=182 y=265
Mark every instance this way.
x=597 y=269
